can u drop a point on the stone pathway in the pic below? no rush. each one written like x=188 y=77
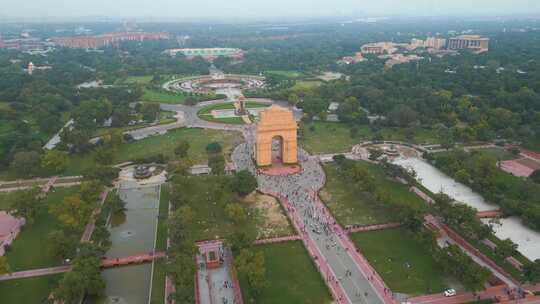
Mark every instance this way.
x=105 y=263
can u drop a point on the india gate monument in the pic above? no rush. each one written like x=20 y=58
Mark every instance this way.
x=276 y=132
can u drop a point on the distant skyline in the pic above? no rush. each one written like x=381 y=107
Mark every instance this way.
x=263 y=8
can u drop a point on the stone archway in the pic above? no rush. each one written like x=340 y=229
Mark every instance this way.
x=276 y=122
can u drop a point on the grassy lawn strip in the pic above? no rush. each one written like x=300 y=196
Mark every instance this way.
x=230 y=106
x=139 y=79
x=288 y=74
x=350 y=208
x=389 y=252
x=162 y=97
x=331 y=137
x=32 y=290
x=291 y=277
x=158 y=284
x=31 y=248
x=165 y=144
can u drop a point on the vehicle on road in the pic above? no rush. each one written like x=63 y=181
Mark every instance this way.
x=450 y=292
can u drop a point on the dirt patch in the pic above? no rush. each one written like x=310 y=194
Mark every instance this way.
x=272 y=222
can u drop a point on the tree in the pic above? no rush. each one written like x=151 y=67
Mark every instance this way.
x=84 y=278
x=217 y=164
x=182 y=149
x=531 y=271
x=535 y=176
x=26 y=204
x=91 y=191
x=62 y=246
x=72 y=212
x=236 y=212
x=244 y=183
x=402 y=116
x=104 y=155
x=506 y=248
x=4 y=265
x=25 y=163
x=150 y=111
x=293 y=99
x=252 y=265
x=214 y=147
x=55 y=161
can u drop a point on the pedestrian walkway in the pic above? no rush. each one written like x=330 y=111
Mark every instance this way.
x=346 y=272
x=105 y=263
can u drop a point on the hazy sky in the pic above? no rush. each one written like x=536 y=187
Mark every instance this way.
x=256 y=8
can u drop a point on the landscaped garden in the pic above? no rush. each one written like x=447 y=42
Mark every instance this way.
x=159 y=269
x=162 y=144
x=162 y=97
x=290 y=275
x=31 y=248
x=206 y=112
x=405 y=264
x=32 y=290
x=350 y=208
x=333 y=137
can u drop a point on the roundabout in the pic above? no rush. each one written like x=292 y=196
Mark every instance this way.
x=227 y=113
x=215 y=83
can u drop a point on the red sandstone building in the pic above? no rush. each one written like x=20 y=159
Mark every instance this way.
x=94 y=42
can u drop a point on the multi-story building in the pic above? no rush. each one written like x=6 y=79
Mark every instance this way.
x=435 y=43
x=379 y=48
x=208 y=53
x=94 y=42
x=473 y=42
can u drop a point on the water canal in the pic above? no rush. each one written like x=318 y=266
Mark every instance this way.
x=433 y=179
x=134 y=233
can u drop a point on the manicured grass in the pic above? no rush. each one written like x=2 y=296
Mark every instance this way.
x=404 y=264
x=30 y=248
x=349 y=207
x=161 y=242
x=230 y=106
x=499 y=153
x=165 y=144
x=306 y=85
x=205 y=113
x=165 y=117
x=332 y=137
x=207 y=198
x=162 y=97
x=139 y=79
x=288 y=74
x=225 y=120
x=291 y=277
x=158 y=279
x=158 y=284
x=32 y=290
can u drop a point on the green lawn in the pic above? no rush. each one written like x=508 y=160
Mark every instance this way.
x=499 y=153
x=389 y=251
x=158 y=284
x=162 y=97
x=285 y=73
x=205 y=113
x=32 y=291
x=139 y=79
x=332 y=137
x=306 y=85
x=165 y=144
x=291 y=277
x=351 y=208
x=30 y=248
